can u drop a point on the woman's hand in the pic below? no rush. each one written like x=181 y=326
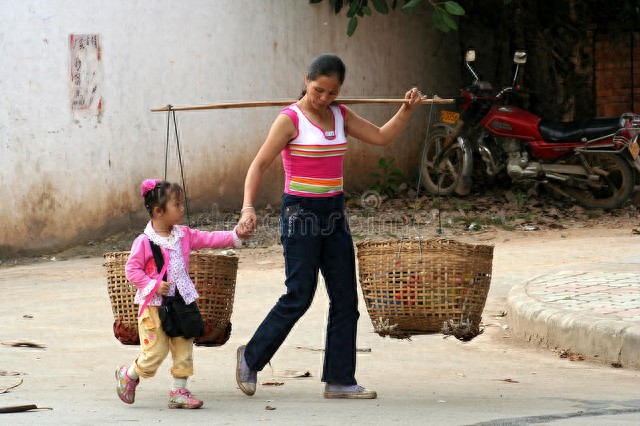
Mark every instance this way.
x=415 y=98
x=164 y=288
x=247 y=224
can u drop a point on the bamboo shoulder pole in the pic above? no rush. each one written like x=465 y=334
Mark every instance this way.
x=254 y=104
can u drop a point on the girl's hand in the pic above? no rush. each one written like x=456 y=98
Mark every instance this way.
x=164 y=288
x=415 y=98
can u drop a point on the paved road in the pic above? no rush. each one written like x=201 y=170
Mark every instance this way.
x=496 y=379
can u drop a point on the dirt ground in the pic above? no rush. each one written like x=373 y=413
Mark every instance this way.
x=494 y=216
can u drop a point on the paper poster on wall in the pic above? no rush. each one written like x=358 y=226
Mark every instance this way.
x=86 y=75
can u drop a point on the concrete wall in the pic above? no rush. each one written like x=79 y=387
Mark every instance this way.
x=73 y=175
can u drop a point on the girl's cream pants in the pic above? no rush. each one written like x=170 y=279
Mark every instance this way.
x=156 y=345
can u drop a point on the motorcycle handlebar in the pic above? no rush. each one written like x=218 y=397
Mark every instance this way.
x=499 y=95
x=504 y=90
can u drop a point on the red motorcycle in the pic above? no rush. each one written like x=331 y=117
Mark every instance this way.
x=594 y=161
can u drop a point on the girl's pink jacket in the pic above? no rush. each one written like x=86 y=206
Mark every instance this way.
x=192 y=239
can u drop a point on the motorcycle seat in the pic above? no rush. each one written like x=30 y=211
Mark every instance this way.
x=578 y=131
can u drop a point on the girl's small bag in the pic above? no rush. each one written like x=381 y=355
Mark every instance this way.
x=177 y=317
x=180 y=319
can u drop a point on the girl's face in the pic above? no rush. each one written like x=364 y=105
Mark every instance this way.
x=322 y=91
x=174 y=210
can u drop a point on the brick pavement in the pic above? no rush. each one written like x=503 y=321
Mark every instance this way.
x=595 y=313
x=608 y=293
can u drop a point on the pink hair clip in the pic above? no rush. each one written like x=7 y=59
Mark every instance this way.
x=148 y=185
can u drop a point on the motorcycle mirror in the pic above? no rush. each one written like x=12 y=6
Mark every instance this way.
x=520 y=57
x=470 y=55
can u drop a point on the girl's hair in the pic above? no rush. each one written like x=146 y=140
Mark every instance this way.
x=327 y=65
x=160 y=195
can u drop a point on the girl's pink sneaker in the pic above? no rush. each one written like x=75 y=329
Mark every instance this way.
x=182 y=398
x=126 y=387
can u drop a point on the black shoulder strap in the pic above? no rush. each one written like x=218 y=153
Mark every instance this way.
x=158 y=258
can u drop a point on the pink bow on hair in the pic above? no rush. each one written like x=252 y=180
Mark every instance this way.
x=148 y=185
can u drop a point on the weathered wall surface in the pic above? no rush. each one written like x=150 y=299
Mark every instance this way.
x=617 y=73
x=71 y=174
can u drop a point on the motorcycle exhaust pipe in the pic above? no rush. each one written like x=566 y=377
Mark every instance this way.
x=554 y=176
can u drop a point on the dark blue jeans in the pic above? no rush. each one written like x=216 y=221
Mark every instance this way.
x=315 y=237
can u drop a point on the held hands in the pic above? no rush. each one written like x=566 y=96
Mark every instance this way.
x=247 y=224
x=415 y=97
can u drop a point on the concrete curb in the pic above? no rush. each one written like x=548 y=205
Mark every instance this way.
x=594 y=336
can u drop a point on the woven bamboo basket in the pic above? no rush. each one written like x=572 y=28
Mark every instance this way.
x=420 y=286
x=214 y=277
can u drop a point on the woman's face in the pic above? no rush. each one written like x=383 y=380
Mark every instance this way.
x=322 y=91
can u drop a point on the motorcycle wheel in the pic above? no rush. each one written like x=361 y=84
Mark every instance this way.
x=616 y=187
x=441 y=179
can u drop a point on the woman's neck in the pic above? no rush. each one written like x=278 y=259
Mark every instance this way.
x=307 y=106
x=320 y=116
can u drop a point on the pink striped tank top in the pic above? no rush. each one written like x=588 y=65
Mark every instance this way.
x=312 y=160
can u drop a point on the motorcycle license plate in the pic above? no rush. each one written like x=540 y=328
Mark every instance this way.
x=634 y=149
x=449 y=117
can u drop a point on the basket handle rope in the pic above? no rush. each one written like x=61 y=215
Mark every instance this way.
x=402 y=239
x=415 y=204
x=158 y=281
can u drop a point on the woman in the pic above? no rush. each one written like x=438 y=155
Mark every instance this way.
x=311 y=135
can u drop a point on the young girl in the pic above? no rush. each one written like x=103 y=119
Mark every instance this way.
x=163 y=201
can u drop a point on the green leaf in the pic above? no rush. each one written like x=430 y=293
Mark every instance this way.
x=408 y=7
x=393 y=160
x=438 y=20
x=449 y=21
x=381 y=6
x=397 y=171
x=351 y=28
x=366 y=10
x=354 y=7
x=382 y=163
x=374 y=175
x=453 y=8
